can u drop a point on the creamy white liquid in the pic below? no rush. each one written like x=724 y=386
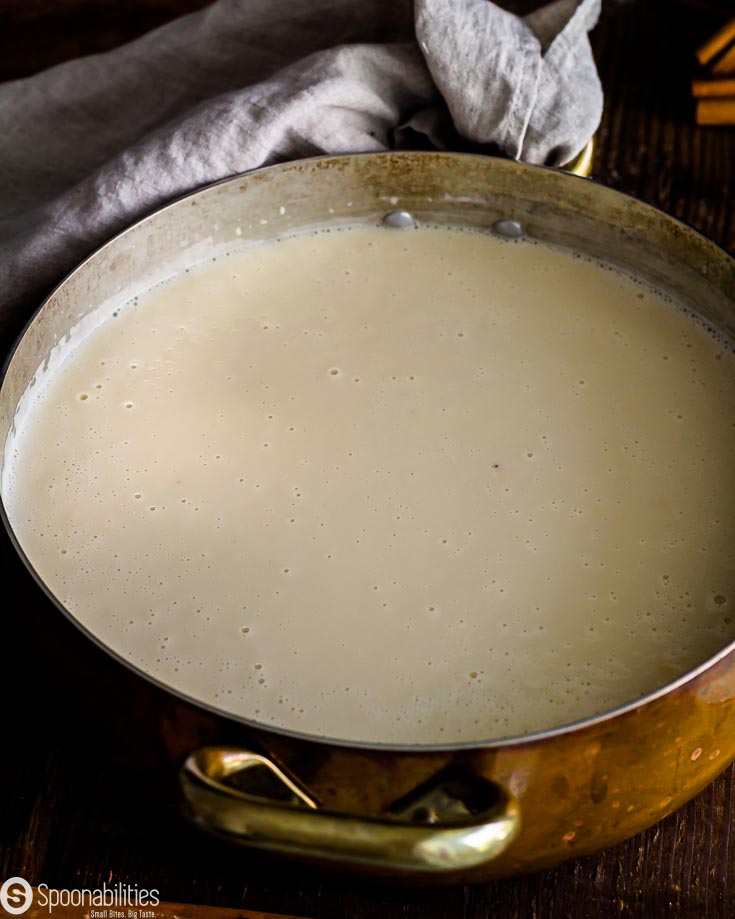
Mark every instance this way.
x=420 y=486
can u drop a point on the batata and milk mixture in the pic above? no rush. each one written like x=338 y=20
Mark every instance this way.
x=411 y=487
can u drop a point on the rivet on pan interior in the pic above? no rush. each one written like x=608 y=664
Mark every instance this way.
x=510 y=229
x=399 y=220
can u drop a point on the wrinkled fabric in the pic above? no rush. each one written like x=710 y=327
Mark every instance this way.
x=93 y=144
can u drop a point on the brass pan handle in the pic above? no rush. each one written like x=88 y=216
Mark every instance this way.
x=293 y=823
x=582 y=163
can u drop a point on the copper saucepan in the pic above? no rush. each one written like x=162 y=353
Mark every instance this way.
x=467 y=811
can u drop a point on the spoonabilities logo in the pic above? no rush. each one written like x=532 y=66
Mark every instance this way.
x=16 y=895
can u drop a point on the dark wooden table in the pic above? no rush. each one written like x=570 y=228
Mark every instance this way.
x=85 y=788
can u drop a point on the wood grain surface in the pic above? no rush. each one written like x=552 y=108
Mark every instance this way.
x=85 y=790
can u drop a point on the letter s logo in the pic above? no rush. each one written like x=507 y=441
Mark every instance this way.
x=16 y=895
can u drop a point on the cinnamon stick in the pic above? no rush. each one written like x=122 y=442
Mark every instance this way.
x=705 y=89
x=716 y=111
x=717 y=44
x=726 y=63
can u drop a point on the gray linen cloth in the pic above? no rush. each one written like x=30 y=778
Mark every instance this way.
x=93 y=144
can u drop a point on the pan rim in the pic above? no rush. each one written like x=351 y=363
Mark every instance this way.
x=535 y=737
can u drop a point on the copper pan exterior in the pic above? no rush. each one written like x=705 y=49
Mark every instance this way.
x=465 y=812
